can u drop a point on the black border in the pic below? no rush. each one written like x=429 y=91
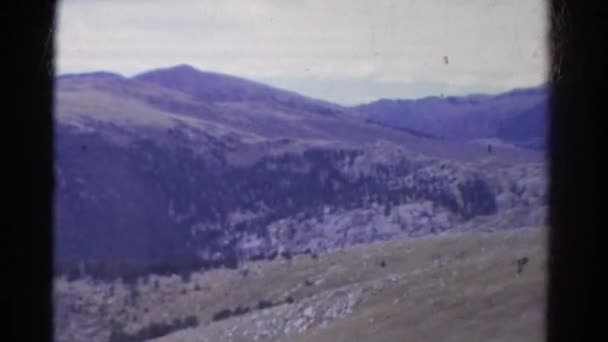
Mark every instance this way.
x=27 y=52
x=578 y=98
x=578 y=34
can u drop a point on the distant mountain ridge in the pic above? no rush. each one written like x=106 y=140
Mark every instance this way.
x=216 y=87
x=518 y=116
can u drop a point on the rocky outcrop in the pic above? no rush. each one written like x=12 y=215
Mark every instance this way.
x=148 y=202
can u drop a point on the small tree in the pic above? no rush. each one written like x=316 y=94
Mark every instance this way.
x=263 y=304
x=190 y=321
x=220 y=315
x=387 y=209
x=287 y=255
x=231 y=262
x=186 y=275
x=273 y=255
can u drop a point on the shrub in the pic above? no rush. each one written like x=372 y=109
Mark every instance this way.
x=263 y=304
x=226 y=313
x=272 y=255
x=190 y=321
x=72 y=275
x=186 y=276
x=220 y=315
x=120 y=336
x=286 y=255
x=256 y=257
x=231 y=263
x=240 y=311
x=133 y=292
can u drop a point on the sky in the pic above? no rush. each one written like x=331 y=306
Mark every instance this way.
x=346 y=51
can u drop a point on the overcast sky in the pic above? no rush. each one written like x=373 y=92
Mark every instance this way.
x=347 y=51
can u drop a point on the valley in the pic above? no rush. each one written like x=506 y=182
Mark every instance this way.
x=196 y=206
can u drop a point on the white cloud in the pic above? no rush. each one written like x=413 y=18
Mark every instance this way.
x=490 y=44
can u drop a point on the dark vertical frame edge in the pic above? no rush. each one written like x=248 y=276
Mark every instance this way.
x=28 y=73
x=577 y=76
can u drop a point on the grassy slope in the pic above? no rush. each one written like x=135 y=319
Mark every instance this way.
x=127 y=102
x=453 y=287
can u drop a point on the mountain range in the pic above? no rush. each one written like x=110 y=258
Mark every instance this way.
x=181 y=164
x=517 y=117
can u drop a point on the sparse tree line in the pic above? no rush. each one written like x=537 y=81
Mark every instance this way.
x=130 y=271
x=239 y=310
x=151 y=331
x=312 y=181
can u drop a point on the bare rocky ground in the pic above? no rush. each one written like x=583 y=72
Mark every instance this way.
x=454 y=286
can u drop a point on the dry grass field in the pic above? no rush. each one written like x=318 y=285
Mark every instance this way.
x=449 y=287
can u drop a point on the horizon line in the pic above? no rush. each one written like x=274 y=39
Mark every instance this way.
x=542 y=85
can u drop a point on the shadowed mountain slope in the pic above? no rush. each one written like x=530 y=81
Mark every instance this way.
x=517 y=117
x=180 y=165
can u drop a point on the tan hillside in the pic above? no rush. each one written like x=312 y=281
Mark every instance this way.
x=449 y=287
x=453 y=287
